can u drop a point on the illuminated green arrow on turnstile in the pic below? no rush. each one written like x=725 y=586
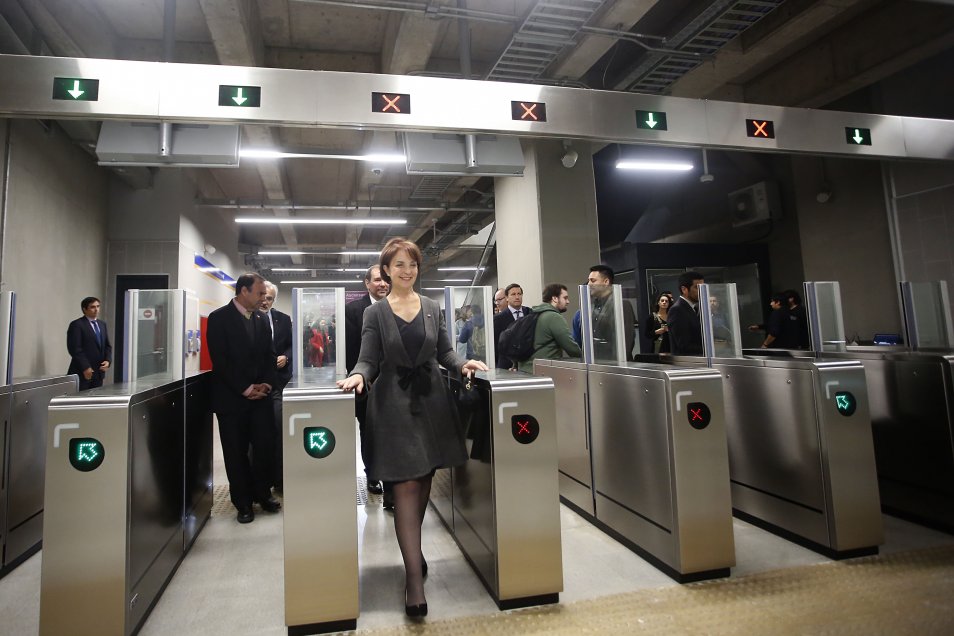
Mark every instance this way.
x=858 y=136
x=845 y=402
x=319 y=441
x=244 y=96
x=75 y=89
x=86 y=453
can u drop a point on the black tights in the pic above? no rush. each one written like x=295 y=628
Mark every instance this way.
x=410 y=504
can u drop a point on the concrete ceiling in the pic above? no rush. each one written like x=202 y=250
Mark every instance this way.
x=786 y=52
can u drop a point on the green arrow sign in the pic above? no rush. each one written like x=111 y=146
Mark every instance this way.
x=86 y=453
x=858 y=136
x=244 y=96
x=75 y=89
x=845 y=402
x=651 y=120
x=319 y=441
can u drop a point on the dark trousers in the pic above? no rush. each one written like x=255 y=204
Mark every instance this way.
x=278 y=424
x=249 y=479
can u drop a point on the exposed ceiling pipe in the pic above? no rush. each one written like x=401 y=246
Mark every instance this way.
x=168 y=55
x=470 y=141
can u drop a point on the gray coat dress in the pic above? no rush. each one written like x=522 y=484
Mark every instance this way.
x=413 y=424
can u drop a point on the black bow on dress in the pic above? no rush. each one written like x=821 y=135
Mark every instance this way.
x=419 y=380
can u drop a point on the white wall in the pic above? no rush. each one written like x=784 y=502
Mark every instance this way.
x=54 y=246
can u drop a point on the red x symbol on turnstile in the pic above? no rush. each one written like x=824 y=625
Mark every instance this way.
x=524 y=428
x=696 y=415
x=760 y=128
x=528 y=110
x=392 y=103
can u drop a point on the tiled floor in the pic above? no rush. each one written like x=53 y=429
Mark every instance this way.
x=231 y=583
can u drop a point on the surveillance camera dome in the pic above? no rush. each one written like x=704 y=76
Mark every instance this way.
x=824 y=196
x=376 y=171
x=569 y=159
x=706 y=178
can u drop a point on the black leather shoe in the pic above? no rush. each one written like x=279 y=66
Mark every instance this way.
x=270 y=505
x=414 y=611
x=389 y=502
x=375 y=488
x=245 y=515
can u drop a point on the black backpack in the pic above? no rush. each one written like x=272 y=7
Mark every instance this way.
x=516 y=341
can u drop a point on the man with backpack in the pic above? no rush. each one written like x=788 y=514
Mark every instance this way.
x=543 y=333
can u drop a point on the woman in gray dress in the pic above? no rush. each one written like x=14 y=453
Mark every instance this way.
x=412 y=423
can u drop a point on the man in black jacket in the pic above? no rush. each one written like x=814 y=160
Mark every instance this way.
x=685 y=330
x=243 y=374
x=354 y=320
x=88 y=344
x=513 y=311
x=281 y=327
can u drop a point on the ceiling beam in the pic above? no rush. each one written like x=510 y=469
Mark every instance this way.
x=620 y=15
x=874 y=45
x=409 y=41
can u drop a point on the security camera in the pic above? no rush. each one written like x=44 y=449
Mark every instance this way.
x=569 y=158
x=706 y=178
x=376 y=171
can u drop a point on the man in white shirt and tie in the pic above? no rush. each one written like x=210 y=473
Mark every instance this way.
x=506 y=317
x=87 y=341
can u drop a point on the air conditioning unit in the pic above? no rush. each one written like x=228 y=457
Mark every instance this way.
x=444 y=154
x=757 y=203
x=123 y=143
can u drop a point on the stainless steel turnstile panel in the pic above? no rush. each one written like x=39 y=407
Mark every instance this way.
x=114 y=535
x=659 y=481
x=24 y=406
x=797 y=463
x=505 y=499
x=573 y=431
x=320 y=514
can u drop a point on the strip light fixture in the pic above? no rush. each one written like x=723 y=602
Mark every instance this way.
x=329 y=253
x=301 y=220
x=460 y=269
x=267 y=153
x=319 y=269
x=654 y=166
x=322 y=282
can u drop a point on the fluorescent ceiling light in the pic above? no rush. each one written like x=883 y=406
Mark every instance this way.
x=319 y=269
x=432 y=289
x=298 y=220
x=460 y=269
x=321 y=282
x=451 y=280
x=265 y=153
x=295 y=253
x=654 y=166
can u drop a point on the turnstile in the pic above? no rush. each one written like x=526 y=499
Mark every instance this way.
x=502 y=506
x=320 y=511
x=23 y=409
x=801 y=456
x=911 y=402
x=642 y=455
x=128 y=488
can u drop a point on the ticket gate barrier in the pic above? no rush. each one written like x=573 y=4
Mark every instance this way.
x=643 y=457
x=23 y=409
x=320 y=510
x=128 y=488
x=801 y=455
x=911 y=402
x=502 y=506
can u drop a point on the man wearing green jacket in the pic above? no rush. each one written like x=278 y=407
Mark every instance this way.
x=552 y=336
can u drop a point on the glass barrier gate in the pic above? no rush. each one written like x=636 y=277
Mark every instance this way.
x=128 y=476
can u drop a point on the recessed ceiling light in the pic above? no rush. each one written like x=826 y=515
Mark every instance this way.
x=298 y=220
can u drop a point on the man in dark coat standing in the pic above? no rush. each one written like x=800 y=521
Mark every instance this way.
x=281 y=327
x=685 y=330
x=354 y=320
x=243 y=374
x=511 y=313
x=87 y=341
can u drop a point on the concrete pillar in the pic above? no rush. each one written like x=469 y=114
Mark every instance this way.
x=547 y=229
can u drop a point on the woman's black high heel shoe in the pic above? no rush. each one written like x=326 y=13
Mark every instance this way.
x=414 y=611
x=423 y=567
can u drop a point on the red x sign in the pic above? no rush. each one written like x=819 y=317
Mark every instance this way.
x=399 y=103
x=528 y=111
x=761 y=128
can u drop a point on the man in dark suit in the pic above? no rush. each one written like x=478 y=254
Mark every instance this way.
x=280 y=326
x=354 y=320
x=506 y=317
x=244 y=369
x=685 y=330
x=87 y=341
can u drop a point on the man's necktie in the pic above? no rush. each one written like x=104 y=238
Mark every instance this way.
x=250 y=325
x=99 y=336
x=518 y=314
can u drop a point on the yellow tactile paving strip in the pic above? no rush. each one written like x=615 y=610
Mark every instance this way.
x=899 y=594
